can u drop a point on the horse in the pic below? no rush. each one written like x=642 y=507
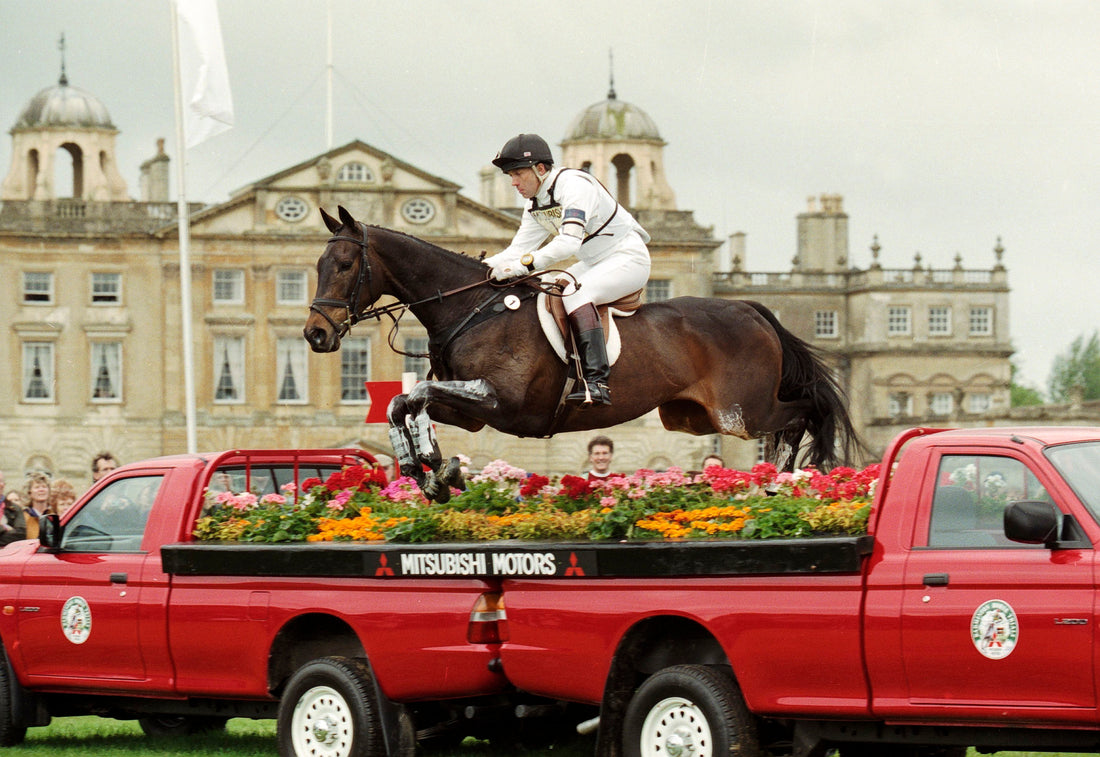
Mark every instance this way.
x=708 y=365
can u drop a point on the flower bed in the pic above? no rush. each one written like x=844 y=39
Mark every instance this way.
x=504 y=502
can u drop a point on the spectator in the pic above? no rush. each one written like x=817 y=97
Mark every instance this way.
x=102 y=464
x=713 y=460
x=600 y=450
x=13 y=524
x=62 y=496
x=36 y=500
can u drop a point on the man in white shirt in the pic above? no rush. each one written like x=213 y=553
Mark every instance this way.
x=587 y=223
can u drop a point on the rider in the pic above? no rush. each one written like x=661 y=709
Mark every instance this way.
x=587 y=223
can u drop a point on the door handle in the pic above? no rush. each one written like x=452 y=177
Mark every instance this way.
x=936 y=579
x=119 y=578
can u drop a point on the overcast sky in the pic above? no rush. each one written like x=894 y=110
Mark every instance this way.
x=944 y=125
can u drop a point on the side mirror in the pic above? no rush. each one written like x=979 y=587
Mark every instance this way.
x=1033 y=522
x=50 y=532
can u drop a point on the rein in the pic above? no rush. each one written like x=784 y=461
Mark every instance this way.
x=354 y=316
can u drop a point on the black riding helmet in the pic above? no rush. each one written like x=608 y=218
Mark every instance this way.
x=523 y=151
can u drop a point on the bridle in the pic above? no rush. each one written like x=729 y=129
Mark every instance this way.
x=348 y=303
x=354 y=316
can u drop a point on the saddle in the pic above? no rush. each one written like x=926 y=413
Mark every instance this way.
x=555 y=324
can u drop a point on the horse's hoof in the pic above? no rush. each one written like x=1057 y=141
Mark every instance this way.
x=451 y=474
x=435 y=490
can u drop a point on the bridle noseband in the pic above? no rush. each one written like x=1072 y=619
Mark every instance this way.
x=348 y=303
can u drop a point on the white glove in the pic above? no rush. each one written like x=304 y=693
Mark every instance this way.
x=504 y=266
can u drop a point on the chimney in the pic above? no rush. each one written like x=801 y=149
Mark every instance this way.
x=823 y=235
x=154 y=176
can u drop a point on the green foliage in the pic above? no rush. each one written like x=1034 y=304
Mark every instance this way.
x=1022 y=395
x=1077 y=367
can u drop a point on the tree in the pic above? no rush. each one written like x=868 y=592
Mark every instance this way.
x=1078 y=366
x=1022 y=394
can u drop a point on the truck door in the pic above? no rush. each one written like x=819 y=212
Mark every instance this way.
x=78 y=609
x=986 y=622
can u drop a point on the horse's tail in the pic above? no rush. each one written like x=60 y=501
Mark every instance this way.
x=807 y=378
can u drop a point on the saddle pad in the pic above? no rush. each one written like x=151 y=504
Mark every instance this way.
x=554 y=336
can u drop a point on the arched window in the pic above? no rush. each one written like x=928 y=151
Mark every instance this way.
x=69 y=171
x=624 y=176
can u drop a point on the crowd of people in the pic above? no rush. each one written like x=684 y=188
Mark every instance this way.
x=40 y=495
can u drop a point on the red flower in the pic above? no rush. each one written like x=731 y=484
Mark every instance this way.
x=573 y=487
x=533 y=485
x=309 y=483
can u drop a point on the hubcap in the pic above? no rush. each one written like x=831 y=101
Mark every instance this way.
x=678 y=728
x=321 y=724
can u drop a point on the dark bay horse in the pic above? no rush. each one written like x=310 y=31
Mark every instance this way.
x=709 y=365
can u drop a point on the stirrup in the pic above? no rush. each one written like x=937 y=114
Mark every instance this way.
x=589 y=395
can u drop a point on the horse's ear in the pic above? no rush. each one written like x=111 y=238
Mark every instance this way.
x=345 y=217
x=332 y=224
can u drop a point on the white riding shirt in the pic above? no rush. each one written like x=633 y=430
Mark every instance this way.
x=587 y=223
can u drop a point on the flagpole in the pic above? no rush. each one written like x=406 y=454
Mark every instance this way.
x=184 y=238
x=328 y=104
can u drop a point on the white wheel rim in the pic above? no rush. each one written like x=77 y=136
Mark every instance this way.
x=321 y=724
x=676 y=727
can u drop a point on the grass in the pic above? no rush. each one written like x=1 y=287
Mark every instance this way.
x=103 y=737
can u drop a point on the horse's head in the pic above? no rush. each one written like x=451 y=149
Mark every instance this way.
x=344 y=283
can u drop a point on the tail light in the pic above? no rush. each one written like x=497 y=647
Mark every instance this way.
x=488 y=621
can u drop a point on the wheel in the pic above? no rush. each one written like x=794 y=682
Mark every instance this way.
x=329 y=709
x=181 y=725
x=13 y=728
x=689 y=711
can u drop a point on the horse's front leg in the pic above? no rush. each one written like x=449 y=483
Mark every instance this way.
x=460 y=396
x=402 y=439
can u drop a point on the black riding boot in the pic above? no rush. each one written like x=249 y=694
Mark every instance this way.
x=590 y=344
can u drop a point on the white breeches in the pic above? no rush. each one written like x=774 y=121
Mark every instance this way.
x=624 y=270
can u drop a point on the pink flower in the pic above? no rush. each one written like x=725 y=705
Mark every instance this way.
x=338 y=502
x=608 y=502
x=288 y=488
x=244 y=501
x=273 y=499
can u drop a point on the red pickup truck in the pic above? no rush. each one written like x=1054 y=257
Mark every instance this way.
x=91 y=622
x=969 y=622
x=963 y=618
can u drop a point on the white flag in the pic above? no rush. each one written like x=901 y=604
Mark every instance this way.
x=203 y=76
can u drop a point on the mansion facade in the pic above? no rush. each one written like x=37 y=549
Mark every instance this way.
x=93 y=353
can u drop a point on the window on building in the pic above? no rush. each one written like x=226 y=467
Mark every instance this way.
x=354 y=172
x=939 y=321
x=228 y=287
x=292 y=365
x=942 y=403
x=37 y=287
x=417 y=345
x=898 y=321
x=979 y=402
x=762 y=449
x=981 y=321
x=290 y=287
x=38 y=371
x=354 y=369
x=825 y=326
x=901 y=404
x=106 y=288
x=106 y=371
x=229 y=369
x=658 y=290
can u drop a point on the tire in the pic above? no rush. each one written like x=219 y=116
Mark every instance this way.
x=180 y=725
x=329 y=709
x=13 y=728
x=689 y=711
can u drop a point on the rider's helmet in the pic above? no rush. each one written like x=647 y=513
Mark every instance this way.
x=523 y=151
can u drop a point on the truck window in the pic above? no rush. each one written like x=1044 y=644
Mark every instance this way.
x=114 y=520
x=970 y=497
x=264 y=479
x=1079 y=465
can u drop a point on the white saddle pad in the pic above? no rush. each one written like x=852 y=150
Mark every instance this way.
x=553 y=333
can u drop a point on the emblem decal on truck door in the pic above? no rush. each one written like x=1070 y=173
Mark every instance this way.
x=994 y=629
x=76 y=620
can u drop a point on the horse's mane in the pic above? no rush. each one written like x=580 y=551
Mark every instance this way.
x=459 y=257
